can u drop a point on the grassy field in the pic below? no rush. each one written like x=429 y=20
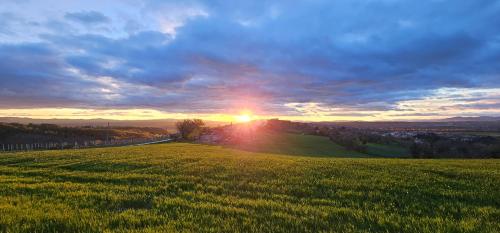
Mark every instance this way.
x=296 y=144
x=393 y=151
x=199 y=188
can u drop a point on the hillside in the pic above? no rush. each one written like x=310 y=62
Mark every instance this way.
x=295 y=144
x=199 y=188
x=42 y=133
x=390 y=151
x=311 y=145
x=168 y=124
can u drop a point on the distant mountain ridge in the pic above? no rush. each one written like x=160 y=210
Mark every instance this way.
x=170 y=123
x=479 y=118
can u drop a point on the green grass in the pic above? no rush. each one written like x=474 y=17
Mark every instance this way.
x=296 y=144
x=199 y=188
x=381 y=150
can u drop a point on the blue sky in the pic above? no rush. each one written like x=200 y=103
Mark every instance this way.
x=308 y=60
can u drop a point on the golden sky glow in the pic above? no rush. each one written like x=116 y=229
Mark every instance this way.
x=442 y=103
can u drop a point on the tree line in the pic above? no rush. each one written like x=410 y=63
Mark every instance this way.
x=41 y=133
x=431 y=145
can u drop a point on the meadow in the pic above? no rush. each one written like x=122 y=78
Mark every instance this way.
x=295 y=144
x=182 y=187
x=317 y=146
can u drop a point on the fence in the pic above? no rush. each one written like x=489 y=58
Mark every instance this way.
x=81 y=144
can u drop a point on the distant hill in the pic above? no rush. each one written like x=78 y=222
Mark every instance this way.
x=454 y=124
x=162 y=123
x=471 y=119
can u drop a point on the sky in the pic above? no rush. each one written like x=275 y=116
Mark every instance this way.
x=315 y=60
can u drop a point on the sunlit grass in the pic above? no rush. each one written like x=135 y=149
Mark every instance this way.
x=384 y=150
x=295 y=144
x=198 y=188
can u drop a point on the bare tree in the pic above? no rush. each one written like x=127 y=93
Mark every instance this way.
x=190 y=129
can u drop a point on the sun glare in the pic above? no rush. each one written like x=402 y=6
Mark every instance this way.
x=244 y=118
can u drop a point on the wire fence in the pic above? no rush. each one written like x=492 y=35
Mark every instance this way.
x=61 y=145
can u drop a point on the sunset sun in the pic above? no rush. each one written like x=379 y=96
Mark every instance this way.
x=244 y=118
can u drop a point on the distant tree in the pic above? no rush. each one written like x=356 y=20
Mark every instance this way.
x=432 y=139
x=415 y=150
x=494 y=151
x=348 y=139
x=190 y=129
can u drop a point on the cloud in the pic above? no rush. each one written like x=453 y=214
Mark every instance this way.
x=345 y=57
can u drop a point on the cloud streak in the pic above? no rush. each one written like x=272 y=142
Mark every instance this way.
x=87 y=17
